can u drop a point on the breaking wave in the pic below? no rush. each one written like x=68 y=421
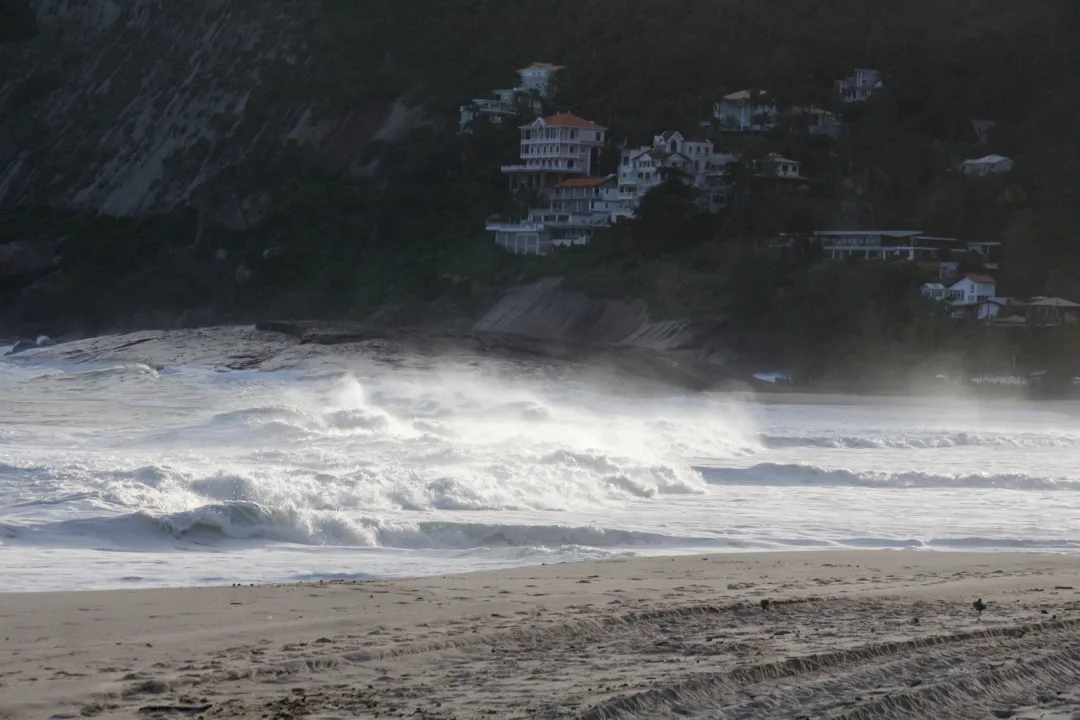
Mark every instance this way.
x=921 y=441
x=782 y=475
x=212 y=524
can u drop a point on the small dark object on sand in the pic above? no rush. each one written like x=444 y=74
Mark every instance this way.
x=914 y=621
x=979 y=606
x=765 y=604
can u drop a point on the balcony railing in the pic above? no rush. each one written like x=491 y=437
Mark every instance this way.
x=543 y=169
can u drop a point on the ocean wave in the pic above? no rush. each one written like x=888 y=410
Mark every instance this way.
x=220 y=527
x=213 y=524
x=920 y=441
x=783 y=475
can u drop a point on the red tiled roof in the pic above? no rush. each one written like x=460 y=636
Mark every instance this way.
x=982 y=279
x=568 y=120
x=589 y=182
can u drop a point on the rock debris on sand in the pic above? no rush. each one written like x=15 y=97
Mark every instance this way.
x=679 y=643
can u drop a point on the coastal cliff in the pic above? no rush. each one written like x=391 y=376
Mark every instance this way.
x=138 y=107
x=168 y=165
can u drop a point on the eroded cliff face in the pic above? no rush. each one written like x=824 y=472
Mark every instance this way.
x=134 y=107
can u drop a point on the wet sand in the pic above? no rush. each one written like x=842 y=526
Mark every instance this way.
x=884 y=634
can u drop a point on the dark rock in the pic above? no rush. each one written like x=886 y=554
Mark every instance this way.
x=22 y=346
x=195 y=318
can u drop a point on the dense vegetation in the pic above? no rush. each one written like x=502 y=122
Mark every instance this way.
x=342 y=246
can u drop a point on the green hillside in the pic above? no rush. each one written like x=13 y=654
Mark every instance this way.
x=336 y=243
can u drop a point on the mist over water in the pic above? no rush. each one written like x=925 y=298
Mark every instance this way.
x=122 y=475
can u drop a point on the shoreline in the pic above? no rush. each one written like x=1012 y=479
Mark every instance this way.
x=284 y=345
x=855 y=633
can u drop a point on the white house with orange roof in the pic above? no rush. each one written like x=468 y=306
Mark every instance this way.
x=554 y=149
x=559 y=155
x=576 y=208
x=538 y=83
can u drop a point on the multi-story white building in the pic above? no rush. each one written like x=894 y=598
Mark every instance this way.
x=558 y=157
x=575 y=209
x=861 y=86
x=642 y=169
x=554 y=149
x=538 y=82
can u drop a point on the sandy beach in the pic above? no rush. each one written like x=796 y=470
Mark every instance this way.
x=881 y=634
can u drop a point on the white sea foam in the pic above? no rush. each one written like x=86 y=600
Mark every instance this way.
x=135 y=472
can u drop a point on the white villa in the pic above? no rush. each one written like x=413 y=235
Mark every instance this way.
x=557 y=161
x=537 y=82
x=989 y=165
x=554 y=149
x=641 y=169
x=860 y=87
x=576 y=209
x=558 y=157
x=973 y=294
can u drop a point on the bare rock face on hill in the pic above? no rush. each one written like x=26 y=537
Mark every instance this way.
x=134 y=107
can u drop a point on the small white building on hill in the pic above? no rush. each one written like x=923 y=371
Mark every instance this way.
x=989 y=165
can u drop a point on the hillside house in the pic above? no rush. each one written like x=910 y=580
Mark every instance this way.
x=780 y=167
x=972 y=297
x=818 y=121
x=558 y=155
x=989 y=165
x=574 y=210
x=909 y=245
x=538 y=82
x=540 y=78
x=860 y=87
x=1049 y=311
x=642 y=169
x=746 y=111
x=554 y=149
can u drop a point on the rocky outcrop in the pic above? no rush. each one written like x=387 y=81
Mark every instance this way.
x=545 y=311
x=133 y=107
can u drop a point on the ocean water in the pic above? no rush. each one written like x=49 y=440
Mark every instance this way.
x=122 y=475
